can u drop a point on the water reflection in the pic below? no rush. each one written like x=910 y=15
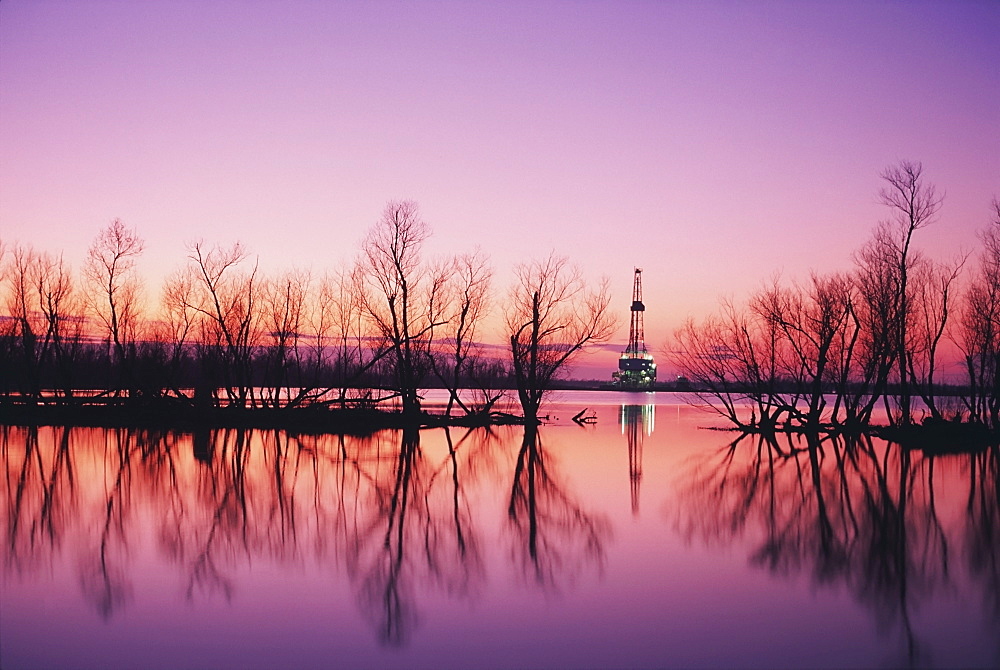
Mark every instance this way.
x=393 y=516
x=39 y=488
x=554 y=538
x=636 y=421
x=414 y=528
x=406 y=521
x=853 y=514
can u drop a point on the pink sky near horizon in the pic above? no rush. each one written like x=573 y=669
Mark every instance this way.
x=712 y=144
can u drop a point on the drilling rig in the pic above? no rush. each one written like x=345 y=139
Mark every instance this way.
x=636 y=369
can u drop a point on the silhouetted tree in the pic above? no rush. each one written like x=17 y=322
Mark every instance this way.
x=342 y=344
x=25 y=327
x=179 y=318
x=63 y=318
x=790 y=346
x=933 y=304
x=114 y=291
x=914 y=204
x=284 y=304
x=550 y=317
x=980 y=328
x=228 y=303
x=465 y=304
x=732 y=357
x=400 y=295
x=811 y=323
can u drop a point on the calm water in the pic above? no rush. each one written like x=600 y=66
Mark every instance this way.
x=638 y=541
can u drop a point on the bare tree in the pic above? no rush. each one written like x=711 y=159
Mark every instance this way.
x=933 y=303
x=468 y=301
x=877 y=313
x=320 y=318
x=399 y=295
x=730 y=358
x=228 y=303
x=180 y=309
x=914 y=204
x=337 y=322
x=550 y=317
x=699 y=352
x=42 y=336
x=810 y=322
x=980 y=328
x=62 y=316
x=26 y=327
x=284 y=318
x=114 y=290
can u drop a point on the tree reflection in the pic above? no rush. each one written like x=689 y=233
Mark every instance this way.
x=554 y=538
x=385 y=592
x=849 y=512
x=419 y=534
x=393 y=512
x=399 y=520
x=983 y=531
x=104 y=578
x=39 y=486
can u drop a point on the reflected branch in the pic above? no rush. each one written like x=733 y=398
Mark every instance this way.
x=105 y=583
x=554 y=538
x=846 y=511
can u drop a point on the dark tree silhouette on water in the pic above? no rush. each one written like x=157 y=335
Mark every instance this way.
x=40 y=343
x=809 y=322
x=337 y=323
x=869 y=337
x=396 y=322
x=114 y=291
x=228 y=302
x=400 y=294
x=179 y=319
x=551 y=315
x=980 y=327
x=284 y=309
x=914 y=204
x=466 y=301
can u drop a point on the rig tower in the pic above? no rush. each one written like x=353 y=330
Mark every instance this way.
x=636 y=368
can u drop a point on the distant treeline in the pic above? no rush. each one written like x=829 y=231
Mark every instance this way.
x=220 y=333
x=223 y=334
x=870 y=339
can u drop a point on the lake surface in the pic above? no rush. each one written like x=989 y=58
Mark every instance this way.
x=641 y=540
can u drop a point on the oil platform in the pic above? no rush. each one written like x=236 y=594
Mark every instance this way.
x=636 y=369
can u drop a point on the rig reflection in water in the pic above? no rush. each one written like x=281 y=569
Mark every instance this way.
x=637 y=421
x=406 y=521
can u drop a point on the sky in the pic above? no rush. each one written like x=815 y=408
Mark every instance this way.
x=712 y=144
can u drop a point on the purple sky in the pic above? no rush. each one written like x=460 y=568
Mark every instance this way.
x=711 y=144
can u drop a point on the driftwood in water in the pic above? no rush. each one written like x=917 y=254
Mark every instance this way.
x=581 y=419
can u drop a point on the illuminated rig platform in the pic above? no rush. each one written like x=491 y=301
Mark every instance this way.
x=636 y=368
